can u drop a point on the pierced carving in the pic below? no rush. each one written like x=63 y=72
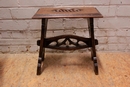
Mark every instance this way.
x=53 y=43
x=67 y=42
x=67 y=10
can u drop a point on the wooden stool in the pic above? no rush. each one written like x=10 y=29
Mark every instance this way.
x=67 y=12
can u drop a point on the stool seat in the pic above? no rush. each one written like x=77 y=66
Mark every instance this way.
x=67 y=12
x=67 y=42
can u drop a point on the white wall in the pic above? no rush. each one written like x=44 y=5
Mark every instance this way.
x=19 y=32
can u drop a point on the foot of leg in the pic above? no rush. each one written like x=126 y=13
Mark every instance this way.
x=96 y=68
x=39 y=66
x=95 y=65
x=38 y=69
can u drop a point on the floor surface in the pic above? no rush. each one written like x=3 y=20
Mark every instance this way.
x=65 y=70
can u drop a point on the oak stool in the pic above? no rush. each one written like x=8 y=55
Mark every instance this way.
x=46 y=13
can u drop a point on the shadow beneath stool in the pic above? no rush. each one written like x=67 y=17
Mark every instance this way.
x=69 y=61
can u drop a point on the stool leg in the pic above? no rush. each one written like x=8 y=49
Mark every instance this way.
x=93 y=50
x=42 y=48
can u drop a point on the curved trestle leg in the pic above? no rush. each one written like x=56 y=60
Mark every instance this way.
x=93 y=50
x=42 y=48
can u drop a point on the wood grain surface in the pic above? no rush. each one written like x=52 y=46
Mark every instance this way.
x=67 y=12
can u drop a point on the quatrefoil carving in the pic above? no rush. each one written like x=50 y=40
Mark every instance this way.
x=67 y=42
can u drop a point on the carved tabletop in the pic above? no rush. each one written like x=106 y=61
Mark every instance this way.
x=68 y=12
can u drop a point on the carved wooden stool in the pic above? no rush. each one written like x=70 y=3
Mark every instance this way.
x=67 y=12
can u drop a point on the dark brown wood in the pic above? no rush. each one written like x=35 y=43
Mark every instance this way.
x=67 y=42
x=67 y=12
x=42 y=49
x=93 y=50
x=74 y=42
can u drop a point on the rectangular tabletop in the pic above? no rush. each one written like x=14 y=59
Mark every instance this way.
x=67 y=12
